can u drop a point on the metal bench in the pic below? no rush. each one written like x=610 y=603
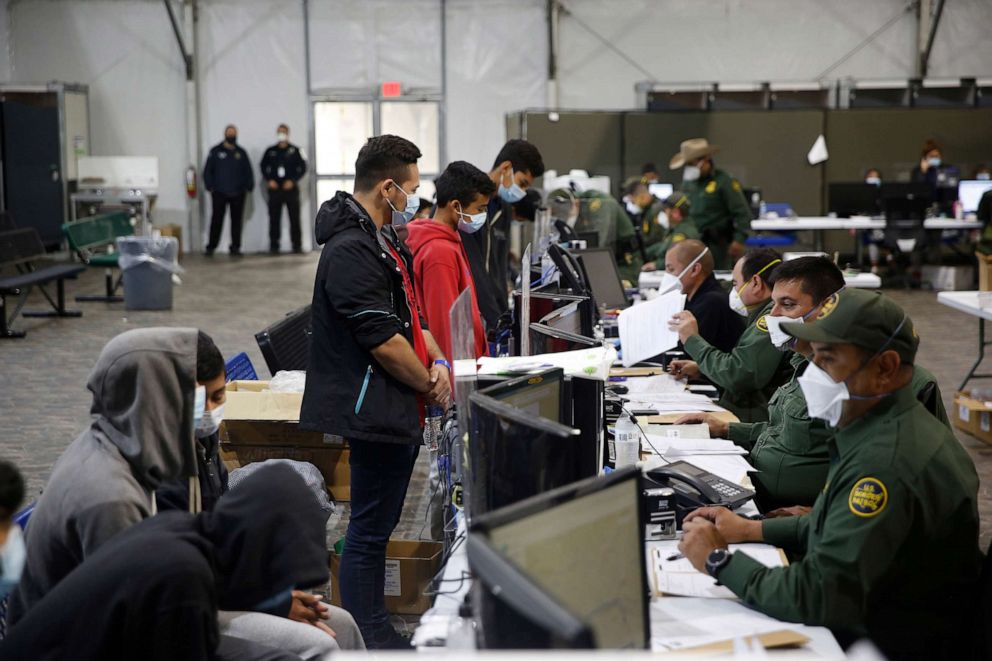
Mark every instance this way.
x=19 y=250
x=90 y=238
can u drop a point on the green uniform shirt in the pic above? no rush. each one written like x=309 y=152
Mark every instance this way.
x=600 y=213
x=718 y=207
x=651 y=231
x=790 y=450
x=684 y=230
x=749 y=374
x=891 y=546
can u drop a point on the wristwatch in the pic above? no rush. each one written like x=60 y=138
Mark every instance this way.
x=716 y=561
x=442 y=361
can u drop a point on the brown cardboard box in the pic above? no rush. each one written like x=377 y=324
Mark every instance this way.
x=253 y=415
x=176 y=231
x=984 y=271
x=973 y=416
x=410 y=566
x=331 y=462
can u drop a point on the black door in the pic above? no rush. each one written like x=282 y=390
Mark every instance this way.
x=32 y=171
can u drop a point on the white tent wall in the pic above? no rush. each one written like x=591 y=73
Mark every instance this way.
x=747 y=41
x=126 y=53
x=4 y=41
x=252 y=75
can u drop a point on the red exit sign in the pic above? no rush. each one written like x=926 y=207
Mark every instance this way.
x=391 y=88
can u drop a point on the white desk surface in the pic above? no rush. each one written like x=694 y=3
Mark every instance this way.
x=965 y=301
x=860 y=223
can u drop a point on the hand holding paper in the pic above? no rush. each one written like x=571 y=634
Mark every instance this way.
x=644 y=331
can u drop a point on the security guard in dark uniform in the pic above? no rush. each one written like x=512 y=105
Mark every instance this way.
x=680 y=227
x=890 y=549
x=228 y=178
x=751 y=373
x=283 y=166
x=789 y=452
x=718 y=206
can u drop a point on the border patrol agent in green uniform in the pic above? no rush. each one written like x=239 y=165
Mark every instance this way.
x=751 y=373
x=680 y=228
x=790 y=450
x=601 y=213
x=891 y=545
x=719 y=209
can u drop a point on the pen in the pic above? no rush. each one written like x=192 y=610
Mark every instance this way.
x=672 y=558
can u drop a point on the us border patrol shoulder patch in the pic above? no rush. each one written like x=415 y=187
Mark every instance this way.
x=762 y=324
x=868 y=497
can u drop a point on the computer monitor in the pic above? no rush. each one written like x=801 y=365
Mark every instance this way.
x=572 y=276
x=661 y=191
x=564 y=569
x=547 y=339
x=970 y=193
x=539 y=393
x=547 y=299
x=513 y=455
x=584 y=404
x=905 y=204
x=604 y=277
x=853 y=199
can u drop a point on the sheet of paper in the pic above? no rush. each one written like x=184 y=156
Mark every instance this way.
x=677 y=576
x=593 y=363
x=660 y=383
x=644 y=329
x=674 y=407
x=699 y=431
x=674 y=446
x=678 y=624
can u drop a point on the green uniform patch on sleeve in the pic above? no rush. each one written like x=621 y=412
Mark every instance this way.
x=868 y=497
x=762 y=324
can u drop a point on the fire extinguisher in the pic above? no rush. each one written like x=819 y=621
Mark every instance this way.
x=191 y=182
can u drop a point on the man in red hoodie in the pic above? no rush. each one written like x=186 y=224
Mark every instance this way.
x=441 y=267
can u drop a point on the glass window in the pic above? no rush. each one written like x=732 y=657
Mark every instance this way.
x=340 y=130
x=329 y=187
x=417 y=121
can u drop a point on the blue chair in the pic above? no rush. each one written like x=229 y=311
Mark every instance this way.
x=239 y=368
x=21 y=519
x=778 y=239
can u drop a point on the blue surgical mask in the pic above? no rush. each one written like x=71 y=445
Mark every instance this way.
x=199 y=405
x=277 y=605
x=982 y=176
x=13 y=555
x=401 y=218
x=512 y=194
x=934 y=161
x=470 y=224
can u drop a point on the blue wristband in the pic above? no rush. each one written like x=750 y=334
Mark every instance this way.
x=442 y=361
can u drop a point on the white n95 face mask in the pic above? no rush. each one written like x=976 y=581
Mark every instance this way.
x=691 y=173
x=210 y=422
x=824 y=397
x=736 y=303
x=671 y=282
x=779 y=337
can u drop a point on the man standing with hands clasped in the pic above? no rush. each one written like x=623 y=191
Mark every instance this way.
x=373 y=364
x=283 y=166
x=890 y=549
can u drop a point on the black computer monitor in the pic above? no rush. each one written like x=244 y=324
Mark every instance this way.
x=853 y=199
x=604 y=277
x=513 y=455
x=546 y=300
x=548 y=339
x=572 y=276
x=583 y=404
x=564 y=569
x=906 y=204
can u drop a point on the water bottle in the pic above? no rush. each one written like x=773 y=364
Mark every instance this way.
x=627 y=440
x=762 y=209
x=432 y=427
x=461 y=630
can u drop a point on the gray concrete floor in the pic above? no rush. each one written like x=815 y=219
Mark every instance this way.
x=44 y=402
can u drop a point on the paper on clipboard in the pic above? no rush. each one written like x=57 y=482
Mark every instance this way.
x=644 y=329
x=680 y=579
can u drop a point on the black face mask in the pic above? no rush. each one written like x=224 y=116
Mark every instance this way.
x=232 y=139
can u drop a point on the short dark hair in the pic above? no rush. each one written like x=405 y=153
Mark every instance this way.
x=523 y=156
x=759 y=259
x=528 y=205
x=209 y=361
x=929 y=146
x=462 y=181
x=283 y=126
x=818 y=276
x=383 y=157
x=648 y=167
x=11 y=489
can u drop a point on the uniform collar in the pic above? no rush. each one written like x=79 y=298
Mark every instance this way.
x=861 y=431
x=759 y=311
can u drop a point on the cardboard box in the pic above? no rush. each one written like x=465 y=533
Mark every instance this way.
x=949 y=278
x=173 y=230
x=410 y=566
x=984 y=271
x=973 y=416
x=254 y=415
x=331 y=462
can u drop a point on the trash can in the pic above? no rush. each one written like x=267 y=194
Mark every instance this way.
x=147 y=264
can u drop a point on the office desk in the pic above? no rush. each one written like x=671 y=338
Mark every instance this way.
x=818 y=224
x=967 y=302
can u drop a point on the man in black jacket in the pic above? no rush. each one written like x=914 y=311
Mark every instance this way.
x=228 y=178
x=373 y=364
x=283 y=166
x=517 y=165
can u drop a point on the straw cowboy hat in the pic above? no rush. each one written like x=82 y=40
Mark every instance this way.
x=690 y=150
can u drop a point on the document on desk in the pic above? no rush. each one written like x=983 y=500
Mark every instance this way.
x=659 y=383
x=679 y=624
x=678 y=578
x=644 y=329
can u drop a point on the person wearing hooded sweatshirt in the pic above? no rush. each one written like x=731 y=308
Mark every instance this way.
x=140 y=435
x=440 y=266
x=373 y=364
x=153 y=591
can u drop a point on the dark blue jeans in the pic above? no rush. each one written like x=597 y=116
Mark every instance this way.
x=380 y=475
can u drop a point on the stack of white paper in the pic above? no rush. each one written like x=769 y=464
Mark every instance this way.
x=644 y=329
x=594 y=363
x=677 y=576
x=659 y=383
